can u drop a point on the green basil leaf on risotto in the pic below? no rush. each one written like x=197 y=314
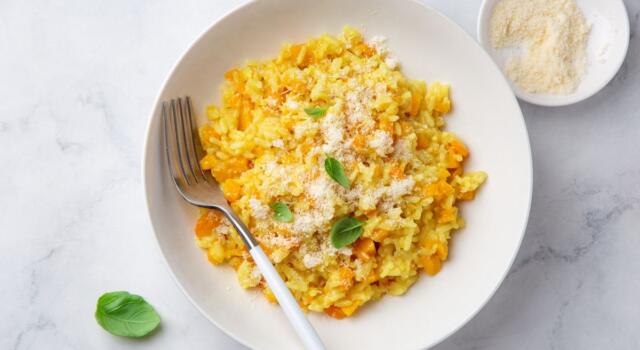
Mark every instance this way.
x=126 y=315
x=281 y=212
x=345 y=231
x=316 y=112
x=335 y=171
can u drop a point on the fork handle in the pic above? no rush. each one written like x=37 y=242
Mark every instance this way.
x=289 y=305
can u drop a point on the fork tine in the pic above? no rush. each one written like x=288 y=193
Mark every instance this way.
x=185 y=137
x=169 y=142
x=189 y=146
x=178 y=126
x=194 y=131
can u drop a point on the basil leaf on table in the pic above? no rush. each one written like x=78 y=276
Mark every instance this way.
x=126 y=315
x=281 y=212
x=316 y=112
x=346 y=231
x=335 y=171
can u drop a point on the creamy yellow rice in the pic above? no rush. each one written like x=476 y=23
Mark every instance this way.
x=405 y=172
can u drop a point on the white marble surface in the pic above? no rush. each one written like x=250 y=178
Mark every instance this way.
x=77 y=81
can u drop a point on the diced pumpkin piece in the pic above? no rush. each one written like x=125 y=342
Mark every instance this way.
x=365 y=50
x=452 y=162
x=386 y=125
x=397 y=171
x=466 y=196
x=207 y=222
x=431 y=264
x=245 y=116
x=232 y=190
x=349 y=310
x=416 y=100
x=346 y=277
x=206 y=134
x=359 y=141
x=207 y=162
x=439 y=248
x=373 y=276
x=438 y=189
x=442 y=251
x=379 y=235
x=448 y=215
x=231 y=74
x=423 y=141
x=269 y=295
x=457 y=147
x=364 y=249
x=335 y=312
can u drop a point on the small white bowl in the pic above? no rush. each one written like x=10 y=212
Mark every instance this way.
x=606 y=49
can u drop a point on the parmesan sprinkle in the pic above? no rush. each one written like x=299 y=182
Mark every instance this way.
x=551 y=36
x=271 y=101
x=311 y=260
x=223 y=229
x=357 y=101
x=333 y=132
x=391 y=62
x=379 y=43
x=260 y=211
x=399 y=188
x=381 y=142
x=292 y=104
x=280 y=241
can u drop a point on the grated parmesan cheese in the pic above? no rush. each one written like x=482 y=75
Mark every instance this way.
x=333 y=133
x=391 y=62
x=552 y=37
x=280 y=241
x=292 y=104
x=399 y=188
x=379 y=43
x=271 y=101
x=311 y=260
x=404 y=148
x=381 y=142
x=306 y=128
x=357 y=101
x=331 y=250
x=260 y=211
x=224 y=228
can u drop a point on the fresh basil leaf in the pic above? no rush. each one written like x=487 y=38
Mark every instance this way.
x=126 y=315
x=281 y=212
x=335 y=171
x=345 y=231
x=316 y=112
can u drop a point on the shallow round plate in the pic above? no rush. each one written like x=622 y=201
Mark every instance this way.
x=486 y=116
x=606 y=49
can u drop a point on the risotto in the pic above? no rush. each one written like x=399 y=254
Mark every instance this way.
x=340 y=167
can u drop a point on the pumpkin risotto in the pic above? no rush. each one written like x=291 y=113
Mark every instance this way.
x=340 y=167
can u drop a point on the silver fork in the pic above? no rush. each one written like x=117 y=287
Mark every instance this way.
x=201 y=189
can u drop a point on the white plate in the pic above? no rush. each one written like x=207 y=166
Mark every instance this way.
x=606 y=49
x=486 y=116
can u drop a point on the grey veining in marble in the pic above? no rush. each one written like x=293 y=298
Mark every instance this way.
x=78 y=79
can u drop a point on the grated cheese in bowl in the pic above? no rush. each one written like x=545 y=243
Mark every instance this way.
x=549 y=38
